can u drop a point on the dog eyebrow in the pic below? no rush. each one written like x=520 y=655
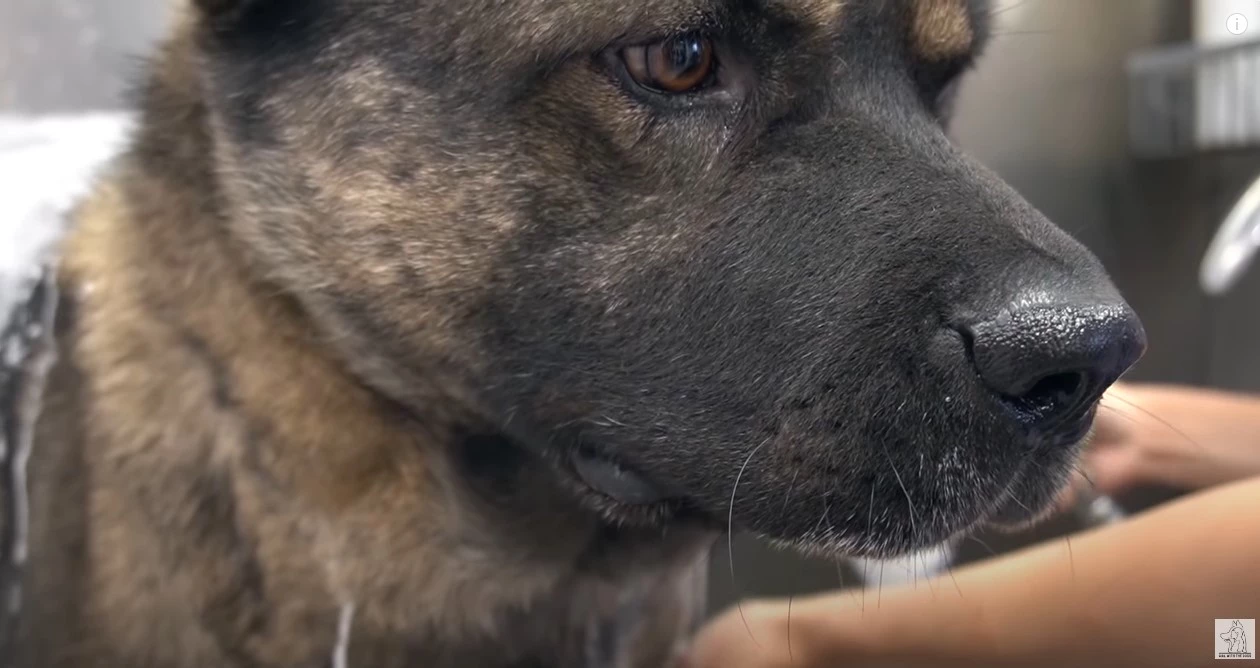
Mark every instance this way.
x=941 y=30
x=525 y=28
x=818 y=13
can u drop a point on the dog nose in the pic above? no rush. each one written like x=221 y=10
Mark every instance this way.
x=1052 y=360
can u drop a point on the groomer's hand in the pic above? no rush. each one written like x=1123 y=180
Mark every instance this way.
x=1176 y=436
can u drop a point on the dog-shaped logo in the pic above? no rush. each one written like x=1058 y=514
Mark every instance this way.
x=1235 y=638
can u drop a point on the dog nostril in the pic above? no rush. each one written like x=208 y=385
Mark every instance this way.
x=1056 y=394
x=1051 y=362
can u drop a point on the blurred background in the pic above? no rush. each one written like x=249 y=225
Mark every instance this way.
x=1094 y=109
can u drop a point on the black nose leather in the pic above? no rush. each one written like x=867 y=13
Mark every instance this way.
x=1051 y=360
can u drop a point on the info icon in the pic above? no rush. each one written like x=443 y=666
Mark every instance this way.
x=1236 y=24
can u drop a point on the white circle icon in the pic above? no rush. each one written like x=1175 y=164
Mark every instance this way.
x=1236 y=24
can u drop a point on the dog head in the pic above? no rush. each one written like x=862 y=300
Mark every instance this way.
x=711 y=258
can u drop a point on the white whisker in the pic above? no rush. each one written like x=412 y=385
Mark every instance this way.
x=341 y=651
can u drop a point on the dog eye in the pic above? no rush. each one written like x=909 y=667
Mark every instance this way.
x=675 y=65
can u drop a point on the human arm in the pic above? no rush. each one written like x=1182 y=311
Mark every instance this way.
x=1143 y=592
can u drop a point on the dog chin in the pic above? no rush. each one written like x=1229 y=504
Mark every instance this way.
x=1027 y=501
x=627 y=497
x=1012 y=517
x=1025 y=504
x=870 y=546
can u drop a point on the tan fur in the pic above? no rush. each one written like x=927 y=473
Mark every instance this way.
x=336 y=493
x=940 y=29
x=244 y=475
x=196 y=371
x=822 y=14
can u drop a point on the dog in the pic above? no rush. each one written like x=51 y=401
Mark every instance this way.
x=417 y=333
x=1235 y=638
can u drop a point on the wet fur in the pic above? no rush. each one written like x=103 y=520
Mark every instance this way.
x=372 y=269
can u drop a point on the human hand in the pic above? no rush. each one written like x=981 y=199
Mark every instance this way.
x=1182 y=437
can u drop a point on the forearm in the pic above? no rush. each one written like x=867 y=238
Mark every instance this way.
x=1146 y=590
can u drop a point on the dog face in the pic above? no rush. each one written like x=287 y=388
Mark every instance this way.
x=712 y=258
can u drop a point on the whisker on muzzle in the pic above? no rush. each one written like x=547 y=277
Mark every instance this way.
x=791 y=655
x=870 y=514
x=1024 y=33
x=341 y=650
x=914 y=524
x=730 y=537
x=879 y=594
x=1118 y=413
x=948 y=560
x=1071 y=557
x=988 y=548
x=1151 y=415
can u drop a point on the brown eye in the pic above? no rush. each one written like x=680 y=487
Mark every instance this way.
x=675 y=65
